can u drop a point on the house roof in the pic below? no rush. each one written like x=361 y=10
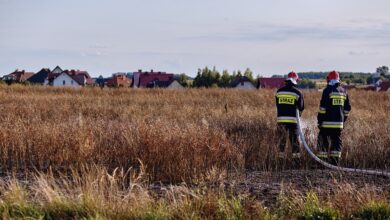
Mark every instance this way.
x=160 y=84
x=57 y=69
x=20 y=75
x=80 y=79
x=40 y=76
x=271 y=83
x=147 y=77
x=384 y=86
x=238 y=80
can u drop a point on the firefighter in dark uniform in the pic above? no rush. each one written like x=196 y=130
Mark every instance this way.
x=288 y=100
x=334 y=111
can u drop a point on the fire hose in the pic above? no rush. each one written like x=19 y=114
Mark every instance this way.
x=330 y=166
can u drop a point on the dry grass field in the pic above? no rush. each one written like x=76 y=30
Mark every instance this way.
x=158 y=154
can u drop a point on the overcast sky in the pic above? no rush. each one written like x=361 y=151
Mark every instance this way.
x=268 y=36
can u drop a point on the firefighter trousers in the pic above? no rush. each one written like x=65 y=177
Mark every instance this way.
x=288 y=132
x=329 y=145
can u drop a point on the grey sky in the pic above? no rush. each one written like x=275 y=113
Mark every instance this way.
x=270 y=37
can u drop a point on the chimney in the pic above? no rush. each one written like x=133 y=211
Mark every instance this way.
x=151 y=70
x=140 y=70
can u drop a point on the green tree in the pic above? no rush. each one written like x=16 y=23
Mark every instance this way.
x=226 y=79
x=206 y=77
x=183 y=79
x=248 y=73
x=306 y=84
x=382 y=70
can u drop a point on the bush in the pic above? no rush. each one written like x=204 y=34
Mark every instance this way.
x=305 y=208
x=378 y=211
x=315 y=211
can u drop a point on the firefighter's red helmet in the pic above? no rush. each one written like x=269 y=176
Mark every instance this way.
x=293 y=77
x=334 y=75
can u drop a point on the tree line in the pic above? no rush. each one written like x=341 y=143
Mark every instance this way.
x=212 y=78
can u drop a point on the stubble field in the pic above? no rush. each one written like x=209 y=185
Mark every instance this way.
x=198 y=153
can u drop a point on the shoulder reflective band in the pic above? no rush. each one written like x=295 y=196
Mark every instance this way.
x=338 y=95
x=322 y=110
x=346 y=113
x=284 y=119
x=331 y=124
x=288 y=94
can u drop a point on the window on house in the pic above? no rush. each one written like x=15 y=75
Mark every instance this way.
x=63 y=82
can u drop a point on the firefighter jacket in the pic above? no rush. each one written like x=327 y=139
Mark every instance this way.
x=334 y=107
x=288 y=100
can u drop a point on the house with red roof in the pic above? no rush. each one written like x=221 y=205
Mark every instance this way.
x=384 y=87
x=119 y=80
x=70 y=78
x=17 y=76
x=143 y=79
x=270 y=83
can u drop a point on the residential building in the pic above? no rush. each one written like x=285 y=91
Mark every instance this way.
x=40 y=77
x=142 y=79
x=171 y=84
x=17 y=76
x=118 y=80
x=70 y=78
x=270 y=83
x=242 y=82
x=384 y=87
x=52 y=75
x=65 y=80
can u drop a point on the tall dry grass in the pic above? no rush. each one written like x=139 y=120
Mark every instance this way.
x=177 y=135
x=96 y=193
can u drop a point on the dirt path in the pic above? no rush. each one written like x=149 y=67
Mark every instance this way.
x=266 y=186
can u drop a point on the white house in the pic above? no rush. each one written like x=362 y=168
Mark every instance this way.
x=64 y=80
x=171 y=84
x=242 y=82
x=175 y=85
x=55 y=72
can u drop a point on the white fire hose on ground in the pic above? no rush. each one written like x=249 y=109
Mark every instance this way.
x=330 y=166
